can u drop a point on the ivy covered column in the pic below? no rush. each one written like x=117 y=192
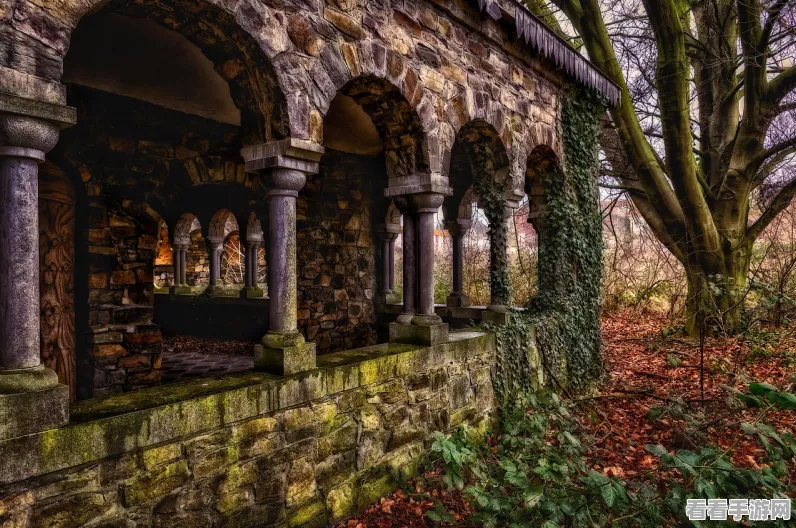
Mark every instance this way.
x=286 y=164
x=500 y=287
x=31 y=398
x=458 y=230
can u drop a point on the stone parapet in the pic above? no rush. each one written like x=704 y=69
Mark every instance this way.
x=300 y=450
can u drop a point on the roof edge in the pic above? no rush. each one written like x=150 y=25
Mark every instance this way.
x=551 y=46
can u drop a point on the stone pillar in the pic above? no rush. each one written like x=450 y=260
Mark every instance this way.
x=180 y=263
x=458 y=230
x=388 y=233
x=287 y=164
x=391 y=261
x=252 y=270
x=31 y=399
x=498 y=309
x=425 y=327
x=247 y=275
x=215 y=247
x=409 y=268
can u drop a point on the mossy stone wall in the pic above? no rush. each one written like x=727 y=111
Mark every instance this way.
x=250 y=449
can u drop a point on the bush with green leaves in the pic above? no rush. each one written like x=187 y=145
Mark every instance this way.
x=534 y=473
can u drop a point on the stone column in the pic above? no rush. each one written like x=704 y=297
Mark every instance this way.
x=498 y=309
x=409 y=268
x=31 y=399
x=247 y=275
x=391 y=261
x=252 y=270
x=286 y=163
x=425 y=327
x=458 y=230
x=388 y=233
x=179 y=265
x=215 y=248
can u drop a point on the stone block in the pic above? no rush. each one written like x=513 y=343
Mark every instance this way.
x=25 y=413
x=287 y=360
x=498 y=318
x=419 y=335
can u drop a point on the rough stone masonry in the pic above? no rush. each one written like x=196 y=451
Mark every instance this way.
x=323 y=130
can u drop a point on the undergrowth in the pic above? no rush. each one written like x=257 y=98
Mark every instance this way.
x=534 y=472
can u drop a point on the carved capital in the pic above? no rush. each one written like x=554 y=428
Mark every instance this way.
x=288 y=179
x=428 y=202
x=27 y=137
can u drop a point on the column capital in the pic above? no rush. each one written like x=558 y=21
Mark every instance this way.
x=291 y=153
x=30 y=128
x=428 y=202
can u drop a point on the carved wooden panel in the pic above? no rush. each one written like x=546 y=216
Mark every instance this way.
x=56 y=274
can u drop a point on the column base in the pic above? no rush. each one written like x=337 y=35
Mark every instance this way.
x=181 y=290
x=284 y=354
x=31 y=401
x=419 y=335
x=252 y=293
x=458 y=300
x=496 y=314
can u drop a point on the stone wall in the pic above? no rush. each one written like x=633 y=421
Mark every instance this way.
x=249 y=449
x=336 y=251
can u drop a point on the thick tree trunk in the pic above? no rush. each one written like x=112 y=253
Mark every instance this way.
x=715 y=300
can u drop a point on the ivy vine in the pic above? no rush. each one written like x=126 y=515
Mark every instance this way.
x=563 y=319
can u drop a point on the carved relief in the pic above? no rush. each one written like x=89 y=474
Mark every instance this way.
x=56 y=274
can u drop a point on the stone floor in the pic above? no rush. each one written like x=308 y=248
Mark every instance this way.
x=181 y=366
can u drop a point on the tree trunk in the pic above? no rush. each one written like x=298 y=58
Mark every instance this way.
x=715 y=300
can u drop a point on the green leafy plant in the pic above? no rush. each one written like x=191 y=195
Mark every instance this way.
x=534 y=473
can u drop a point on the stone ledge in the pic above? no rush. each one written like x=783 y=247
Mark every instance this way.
x=128 y=422
x=62 y=115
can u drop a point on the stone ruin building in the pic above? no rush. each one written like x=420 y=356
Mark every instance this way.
x=241 y=169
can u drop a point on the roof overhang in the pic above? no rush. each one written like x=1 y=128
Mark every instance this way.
x=551 y=46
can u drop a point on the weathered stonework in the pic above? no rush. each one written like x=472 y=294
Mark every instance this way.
x=250 y=449
x=336 y=253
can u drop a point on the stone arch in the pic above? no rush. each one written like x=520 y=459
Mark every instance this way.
x=222 y=223
x=543 y=163
x=393 y=216
x=254 y=229
x=187 y=224
x=477 y=152
x=396 y=118
x=238 y=38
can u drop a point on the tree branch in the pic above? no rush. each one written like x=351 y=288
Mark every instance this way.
x=777 y=205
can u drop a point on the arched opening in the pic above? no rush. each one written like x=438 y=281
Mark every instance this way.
x=233 y=261
x=370 y=133
x=167 y=93
x=164 y=260
x=476 y=213
x=543 y=165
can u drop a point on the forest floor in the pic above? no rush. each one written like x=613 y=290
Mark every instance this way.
x=647 y=366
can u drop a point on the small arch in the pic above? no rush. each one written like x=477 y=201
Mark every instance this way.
x=187 y=224
x=543 y=163
x=222 y=223
x=478 y=152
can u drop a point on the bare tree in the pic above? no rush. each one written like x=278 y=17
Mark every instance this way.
x=692 y=143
